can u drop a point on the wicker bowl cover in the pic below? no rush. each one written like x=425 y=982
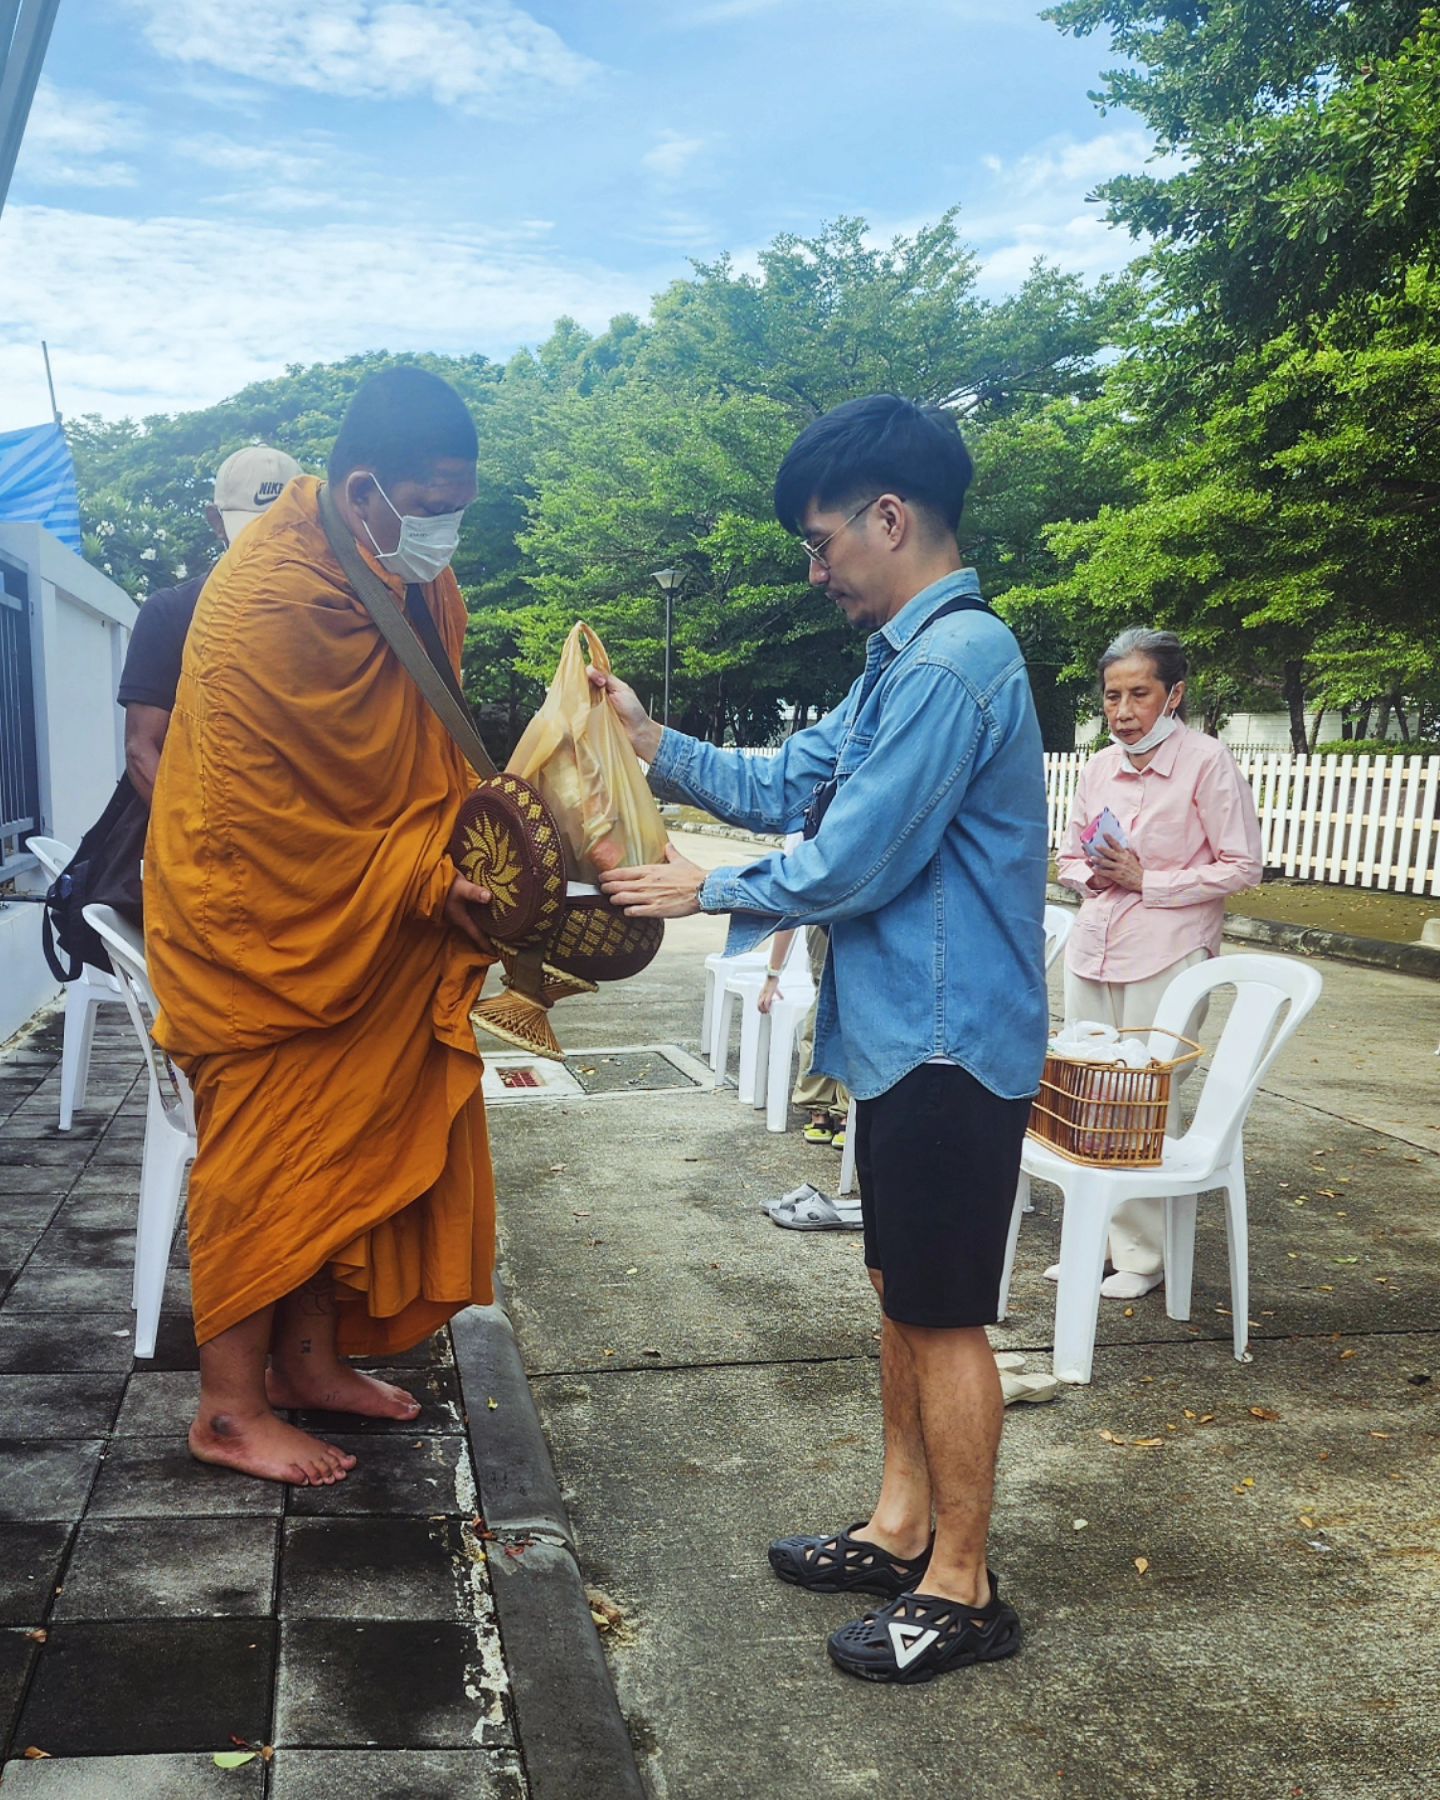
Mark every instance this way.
x=597 y=943
x=506 y=840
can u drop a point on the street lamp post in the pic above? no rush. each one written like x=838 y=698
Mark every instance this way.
x=670 y=581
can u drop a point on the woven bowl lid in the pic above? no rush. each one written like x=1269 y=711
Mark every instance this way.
x=506 y=840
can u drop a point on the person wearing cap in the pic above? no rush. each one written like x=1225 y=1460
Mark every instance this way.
x=246 y=485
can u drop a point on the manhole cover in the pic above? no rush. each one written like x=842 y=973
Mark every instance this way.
x=625 y=1071
x=594 y=1074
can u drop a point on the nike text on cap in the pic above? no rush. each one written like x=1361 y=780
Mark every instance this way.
x=248 y=481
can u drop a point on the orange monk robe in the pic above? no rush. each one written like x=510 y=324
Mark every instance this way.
x=295 y=879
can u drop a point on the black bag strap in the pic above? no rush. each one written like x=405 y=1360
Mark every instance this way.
x=826 y=791
x=56 y=895
x=419 y=649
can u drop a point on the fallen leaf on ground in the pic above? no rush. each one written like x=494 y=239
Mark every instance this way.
x=1146 y=1443
x=1385 y=1435
x=1307 y=1521
x=1263 y=1412
x=649 y=1350
x=493 y=1405
x=233 y=1759
x=39 y=1635
x=1345 y=1355
x=1142 y=1563
x=1109 y=1437
x=558 y=1168
x=1079 y=1524
x=34 y=1755
x=603 y=1610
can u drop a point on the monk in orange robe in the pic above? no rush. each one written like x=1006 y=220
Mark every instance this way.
x=316 y=954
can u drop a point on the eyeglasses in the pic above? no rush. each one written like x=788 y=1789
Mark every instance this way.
x=816 y=552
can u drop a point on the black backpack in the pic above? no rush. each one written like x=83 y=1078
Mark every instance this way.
x=104 y=871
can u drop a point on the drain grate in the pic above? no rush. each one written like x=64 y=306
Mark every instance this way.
x=594 y=1074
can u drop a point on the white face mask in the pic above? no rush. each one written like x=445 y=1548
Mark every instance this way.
x=426 y=544
x=1163 y=728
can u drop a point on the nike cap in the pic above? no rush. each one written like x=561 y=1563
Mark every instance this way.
x=248 y=482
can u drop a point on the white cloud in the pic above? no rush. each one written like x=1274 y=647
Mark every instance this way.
x=71 y=137
x=1064 y=161
x=287 y=162
x=1036 y=206
x=158 y=314
x=471 y=54
x=671 y=155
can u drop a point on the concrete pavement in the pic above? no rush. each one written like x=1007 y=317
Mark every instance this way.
x=708 y=1382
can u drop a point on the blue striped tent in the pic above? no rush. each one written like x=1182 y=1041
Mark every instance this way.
x=37 y=482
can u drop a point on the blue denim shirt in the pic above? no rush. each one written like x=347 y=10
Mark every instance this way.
x=930 y=866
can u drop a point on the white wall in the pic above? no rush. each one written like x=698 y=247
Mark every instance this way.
x=79 y=626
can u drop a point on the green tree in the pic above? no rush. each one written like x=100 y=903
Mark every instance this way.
x=1277 y=398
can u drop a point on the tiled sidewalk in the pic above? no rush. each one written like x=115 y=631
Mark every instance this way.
x=151 y=1608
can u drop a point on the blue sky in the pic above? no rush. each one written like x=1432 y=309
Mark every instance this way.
x=209 y=191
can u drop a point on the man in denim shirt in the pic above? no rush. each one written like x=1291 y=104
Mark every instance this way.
x=929 y=867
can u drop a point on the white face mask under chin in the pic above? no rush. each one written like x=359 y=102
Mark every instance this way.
x=426 y=544
x=1163 y=728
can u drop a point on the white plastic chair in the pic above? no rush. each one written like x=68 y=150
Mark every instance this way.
x=1059 y=921
x=740 y=979
x=775 y=1053
x=717 y=967
x=84 y=997
x=1211 y=1154
x=169 y=1129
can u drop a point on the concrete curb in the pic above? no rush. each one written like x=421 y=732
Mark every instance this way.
x=572 y=1734
x=1299 y=940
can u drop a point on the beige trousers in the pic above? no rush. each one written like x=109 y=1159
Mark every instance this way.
x=816 y=1092
x=1137 y=1231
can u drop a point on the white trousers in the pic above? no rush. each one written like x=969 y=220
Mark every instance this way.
x=1137 y=1231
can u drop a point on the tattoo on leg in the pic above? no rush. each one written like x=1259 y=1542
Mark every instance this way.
x=317 y=1297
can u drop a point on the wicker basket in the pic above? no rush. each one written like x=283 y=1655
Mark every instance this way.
x=1105 y=1114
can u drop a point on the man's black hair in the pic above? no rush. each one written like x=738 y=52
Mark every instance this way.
x=879 y=445
x=400 y=423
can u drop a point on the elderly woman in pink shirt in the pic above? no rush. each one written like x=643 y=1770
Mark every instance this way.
x=1157 y=905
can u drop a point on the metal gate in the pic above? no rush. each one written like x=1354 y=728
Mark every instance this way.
x=19 y=774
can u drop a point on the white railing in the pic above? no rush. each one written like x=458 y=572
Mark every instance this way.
x=1362 y=821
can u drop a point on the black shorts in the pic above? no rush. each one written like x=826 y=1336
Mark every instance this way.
x=938 y=1156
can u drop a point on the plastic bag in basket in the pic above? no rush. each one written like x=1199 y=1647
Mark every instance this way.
x=576 y=753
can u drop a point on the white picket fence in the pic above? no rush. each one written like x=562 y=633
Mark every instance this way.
x=1362 y=821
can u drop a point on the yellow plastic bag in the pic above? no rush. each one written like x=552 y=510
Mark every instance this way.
x=576 y=753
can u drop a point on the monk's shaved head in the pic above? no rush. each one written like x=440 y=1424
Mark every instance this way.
x=401 y=423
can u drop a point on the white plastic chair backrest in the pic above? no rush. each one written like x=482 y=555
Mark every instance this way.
x=51 y=854
x=126 y=948
x=1255 y=1032
x=1059 y=922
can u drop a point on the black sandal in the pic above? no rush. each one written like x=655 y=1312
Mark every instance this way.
x=845 y=1564
x=920 y=1636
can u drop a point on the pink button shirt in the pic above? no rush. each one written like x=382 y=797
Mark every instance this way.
x=1190 y=818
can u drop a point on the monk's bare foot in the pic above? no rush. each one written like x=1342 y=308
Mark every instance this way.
x=267 y=1447
x=336 y=1387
